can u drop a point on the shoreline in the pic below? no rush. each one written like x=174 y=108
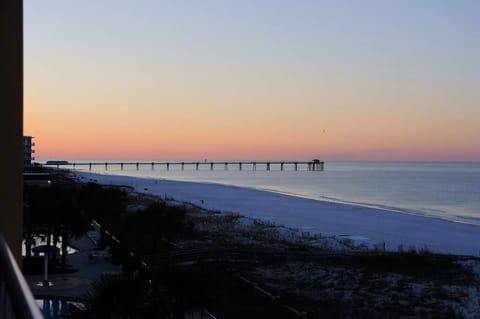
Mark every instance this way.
x=429 y=205
x=460 y=219
x=396 y=229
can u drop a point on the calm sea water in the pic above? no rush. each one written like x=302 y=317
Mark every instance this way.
x=441 y=190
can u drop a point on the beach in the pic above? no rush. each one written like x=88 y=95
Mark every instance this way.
x=397 y=230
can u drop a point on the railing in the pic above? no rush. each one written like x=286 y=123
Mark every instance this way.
x=16 y=300
x=313 y=165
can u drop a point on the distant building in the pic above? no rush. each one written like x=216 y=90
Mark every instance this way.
x=28 y=151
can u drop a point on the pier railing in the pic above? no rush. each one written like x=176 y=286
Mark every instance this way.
x=16 y=300
x=314 y=165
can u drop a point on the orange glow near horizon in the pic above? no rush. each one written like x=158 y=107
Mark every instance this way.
x=344 y=131
x=111 y=133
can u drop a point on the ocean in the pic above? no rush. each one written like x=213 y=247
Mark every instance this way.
x=445 y=190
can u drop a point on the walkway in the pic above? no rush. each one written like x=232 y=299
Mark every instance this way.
x=74 y=284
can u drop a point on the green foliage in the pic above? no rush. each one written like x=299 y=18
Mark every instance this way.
x=53 y=211
x=118 y=296
x=154 y=226
x=100 y=201
x=54 y=207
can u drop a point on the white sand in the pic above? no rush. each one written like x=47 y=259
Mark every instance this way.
x=314 y=216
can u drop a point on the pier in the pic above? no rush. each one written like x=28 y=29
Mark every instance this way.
x=313 y=165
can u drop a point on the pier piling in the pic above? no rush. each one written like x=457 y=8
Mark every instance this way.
x=313 y=165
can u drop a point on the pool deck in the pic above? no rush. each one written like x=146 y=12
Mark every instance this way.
x=75 y=284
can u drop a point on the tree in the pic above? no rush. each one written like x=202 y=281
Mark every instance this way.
x=54 y=212
x=156 y=224
x=119 y=296
x=99 y=202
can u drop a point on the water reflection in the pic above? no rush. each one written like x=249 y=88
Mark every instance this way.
x=58 y=308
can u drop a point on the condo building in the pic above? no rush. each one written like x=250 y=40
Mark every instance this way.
x=28 y=151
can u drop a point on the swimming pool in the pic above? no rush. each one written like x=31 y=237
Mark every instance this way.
x=54 y=308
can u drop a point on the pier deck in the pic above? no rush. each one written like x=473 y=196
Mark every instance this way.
x=314 y=165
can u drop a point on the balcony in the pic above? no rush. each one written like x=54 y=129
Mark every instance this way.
x=16 y=300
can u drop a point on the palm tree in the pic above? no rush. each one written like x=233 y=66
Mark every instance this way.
x=54 y=212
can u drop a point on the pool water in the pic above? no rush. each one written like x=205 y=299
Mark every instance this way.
x=58 y=307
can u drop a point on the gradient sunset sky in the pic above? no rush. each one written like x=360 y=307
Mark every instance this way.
x=335 y=80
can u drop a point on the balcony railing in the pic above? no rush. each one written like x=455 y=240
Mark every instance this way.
x=16 y=300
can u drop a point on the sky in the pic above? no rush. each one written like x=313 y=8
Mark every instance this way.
x=393 y=80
